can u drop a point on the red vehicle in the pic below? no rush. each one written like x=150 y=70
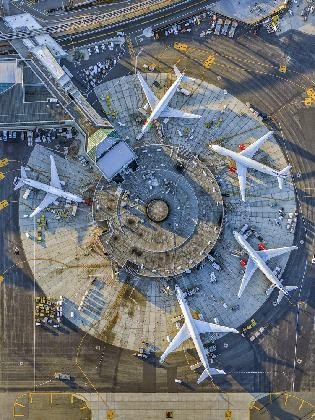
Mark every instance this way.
x=243 y=262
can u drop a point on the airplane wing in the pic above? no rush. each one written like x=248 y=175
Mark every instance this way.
x=250 y=270
x=266 y=254
x=48 y=199
x=207 y=327
x=181 y=336
x=151 y=98
x=241 y=173
x=253 y=148
x=54 y=178
x=169 y=112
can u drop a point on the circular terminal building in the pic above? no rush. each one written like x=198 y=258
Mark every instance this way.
x=166 y=215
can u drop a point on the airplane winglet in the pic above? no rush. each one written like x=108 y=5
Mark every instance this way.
x=282 y=175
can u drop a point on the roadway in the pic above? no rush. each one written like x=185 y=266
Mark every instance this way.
x=248 y=69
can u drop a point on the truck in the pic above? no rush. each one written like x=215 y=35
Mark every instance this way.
x=183 y=91
x=62 y=376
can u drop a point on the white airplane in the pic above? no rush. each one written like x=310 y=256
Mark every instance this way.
x=160 y=107
x=243 y=161
x=257 y=259
x=53 y=191
x=192 y=328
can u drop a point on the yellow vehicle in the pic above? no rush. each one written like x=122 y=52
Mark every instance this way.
x=180 y=47
x=283 y=69
x=2 y=176
x=311 y=93
x=39 y=234
x=3 y=162
x=3 y=204
x=1 y=278
x=209 y=61
x=308 y=101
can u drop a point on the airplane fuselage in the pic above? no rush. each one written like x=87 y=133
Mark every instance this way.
x=260 y=263
x=248 y=162
x=51 y=190
x=194 y=333
x=162 y=104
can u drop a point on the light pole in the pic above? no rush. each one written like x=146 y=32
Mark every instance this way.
x=136 y=60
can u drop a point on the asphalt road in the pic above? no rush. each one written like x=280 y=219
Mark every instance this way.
x=248 y=69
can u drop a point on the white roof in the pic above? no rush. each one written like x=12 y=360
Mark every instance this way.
x=115 y=159
x=49 y=61
x=24 y=19
x=10 y=72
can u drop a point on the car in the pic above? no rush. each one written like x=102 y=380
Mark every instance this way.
x=10 y=134
x=14 y=135
x=227 y=23
x=232 y=29
x=313 y=259
x=218 y=27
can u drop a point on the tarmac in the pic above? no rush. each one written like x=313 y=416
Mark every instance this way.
x=129 y=310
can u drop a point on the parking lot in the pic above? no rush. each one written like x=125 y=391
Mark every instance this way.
x=57 y=138
x=90 y=65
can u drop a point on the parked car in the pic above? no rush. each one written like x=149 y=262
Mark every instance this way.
x=218 y=27
x=232 y=29
x=226 y=26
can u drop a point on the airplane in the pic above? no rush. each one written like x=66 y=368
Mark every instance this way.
x=257 y=259
x=192 y=328
x=53 y=191
x=160 y=107
x=243 y=161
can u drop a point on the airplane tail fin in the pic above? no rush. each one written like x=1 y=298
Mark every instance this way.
x=287 y=289
x=282 y=175
x=20 y=181
x=211 y=371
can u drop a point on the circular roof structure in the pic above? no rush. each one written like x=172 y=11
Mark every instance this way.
x=166 y=217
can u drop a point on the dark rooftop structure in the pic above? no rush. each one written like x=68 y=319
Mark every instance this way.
x=22 y=95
